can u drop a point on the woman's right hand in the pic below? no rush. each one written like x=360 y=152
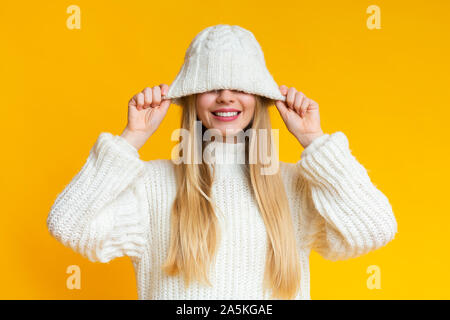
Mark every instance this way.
x=146 y=110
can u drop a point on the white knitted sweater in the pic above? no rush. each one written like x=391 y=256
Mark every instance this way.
x=118 y=205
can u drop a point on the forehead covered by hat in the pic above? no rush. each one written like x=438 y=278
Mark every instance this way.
x=224 y=57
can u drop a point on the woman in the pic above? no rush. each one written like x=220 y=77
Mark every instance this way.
x=221 y=229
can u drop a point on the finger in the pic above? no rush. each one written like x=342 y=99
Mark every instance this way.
x=140 y=100
x=156 y=96
x=147 y=97
x=281 y=106
x=164 y=89
x=299 y=97
x=313 y=104
x=164 y=106
x=290 y=97
x=132 y=102
x=283 y=89
x=304 y=106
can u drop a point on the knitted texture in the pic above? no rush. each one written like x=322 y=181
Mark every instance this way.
x=224 y=57
x=118 y=205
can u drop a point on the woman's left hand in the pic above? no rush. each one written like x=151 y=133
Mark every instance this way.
x=300 y=114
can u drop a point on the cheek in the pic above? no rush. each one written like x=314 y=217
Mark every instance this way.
x=204 y=100
x=249 y=111
x=201 y=107
x=202 y=115
x=250 y=103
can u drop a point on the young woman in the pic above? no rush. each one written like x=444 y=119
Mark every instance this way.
x=221 y=229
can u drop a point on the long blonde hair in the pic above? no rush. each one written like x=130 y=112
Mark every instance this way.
x=194 y=229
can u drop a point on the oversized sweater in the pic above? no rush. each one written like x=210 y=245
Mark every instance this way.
x=119 y=205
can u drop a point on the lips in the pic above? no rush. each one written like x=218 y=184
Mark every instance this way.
x=226 y=114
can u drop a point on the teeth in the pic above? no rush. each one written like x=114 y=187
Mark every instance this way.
x=226 y=114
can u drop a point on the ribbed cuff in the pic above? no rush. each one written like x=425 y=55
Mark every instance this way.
x=124 y=145
x=122 y=160
x=330 y=158
x=316 y=143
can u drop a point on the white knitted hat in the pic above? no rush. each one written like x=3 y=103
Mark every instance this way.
x=224 y=57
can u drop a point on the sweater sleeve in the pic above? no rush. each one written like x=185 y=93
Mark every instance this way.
x=350 y=216
x=101 y=213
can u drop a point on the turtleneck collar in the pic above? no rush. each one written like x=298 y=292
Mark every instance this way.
x=219 y=152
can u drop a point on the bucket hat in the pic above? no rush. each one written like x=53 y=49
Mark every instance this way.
x=224 y=57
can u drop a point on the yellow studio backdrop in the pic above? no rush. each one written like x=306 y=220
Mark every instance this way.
x=387 y=89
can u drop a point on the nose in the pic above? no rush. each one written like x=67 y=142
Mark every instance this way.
x=226 y=96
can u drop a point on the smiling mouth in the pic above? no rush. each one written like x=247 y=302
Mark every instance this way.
x=226 y=114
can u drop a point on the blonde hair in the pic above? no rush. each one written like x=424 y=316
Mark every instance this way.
x=194 y=229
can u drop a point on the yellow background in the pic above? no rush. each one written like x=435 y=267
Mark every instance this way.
x=387 y=90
